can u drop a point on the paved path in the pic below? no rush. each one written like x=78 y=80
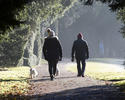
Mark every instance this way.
x=69 y=87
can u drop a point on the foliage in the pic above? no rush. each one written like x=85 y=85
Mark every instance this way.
x=14 y=81
x=8 y=8
x=121 y=16
x=12 y=48
x=32 y=13
x=113 y=4
x=20 y=18
x=22 y=11
x=7 y=15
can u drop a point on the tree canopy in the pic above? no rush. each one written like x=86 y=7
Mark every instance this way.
x=121 y=16
x=26 y=12
x=113 y=4
x=19 y=18
x=10 y=8
x=22 y=21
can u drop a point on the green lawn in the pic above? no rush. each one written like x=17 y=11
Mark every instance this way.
x=14 y=81
x=103 y=71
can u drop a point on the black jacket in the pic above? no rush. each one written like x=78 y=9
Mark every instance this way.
x=80 y=49
x=52 y=49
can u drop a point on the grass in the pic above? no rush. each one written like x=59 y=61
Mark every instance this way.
x=103 y=71
x=14 y=81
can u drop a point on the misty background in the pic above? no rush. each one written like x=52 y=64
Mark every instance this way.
x=100 y=29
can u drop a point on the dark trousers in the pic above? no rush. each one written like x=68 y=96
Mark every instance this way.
x=80 y=69
x=52 y=66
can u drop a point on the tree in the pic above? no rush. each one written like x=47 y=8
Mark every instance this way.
x=121 y=16
x=116 y=5
x=113 y=4
x=24 y=22
x=8 y=9
x=19 y=18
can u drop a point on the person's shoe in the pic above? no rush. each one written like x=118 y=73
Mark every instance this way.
x=83 y=76
x=51 y=77
x=78 y=75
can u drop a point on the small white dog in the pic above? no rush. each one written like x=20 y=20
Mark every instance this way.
x=33 y=73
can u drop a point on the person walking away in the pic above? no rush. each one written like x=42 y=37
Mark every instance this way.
x=52 y=52
x=81 y=53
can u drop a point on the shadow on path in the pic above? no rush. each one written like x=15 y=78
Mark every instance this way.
x=116 y=80
x=84 y=93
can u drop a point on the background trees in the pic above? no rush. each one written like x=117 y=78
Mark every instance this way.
x=22 y=23
x=21 y=28
x=121 y=16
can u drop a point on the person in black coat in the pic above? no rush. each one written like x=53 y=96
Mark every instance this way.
x=80 y=50
x=52 y=52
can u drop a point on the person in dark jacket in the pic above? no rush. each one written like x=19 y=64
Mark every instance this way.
x=80 y=50
x=52 y=52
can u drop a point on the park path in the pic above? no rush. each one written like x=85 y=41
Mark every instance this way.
x=67 y=86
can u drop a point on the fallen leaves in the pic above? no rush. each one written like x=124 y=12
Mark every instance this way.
x=14 y=81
